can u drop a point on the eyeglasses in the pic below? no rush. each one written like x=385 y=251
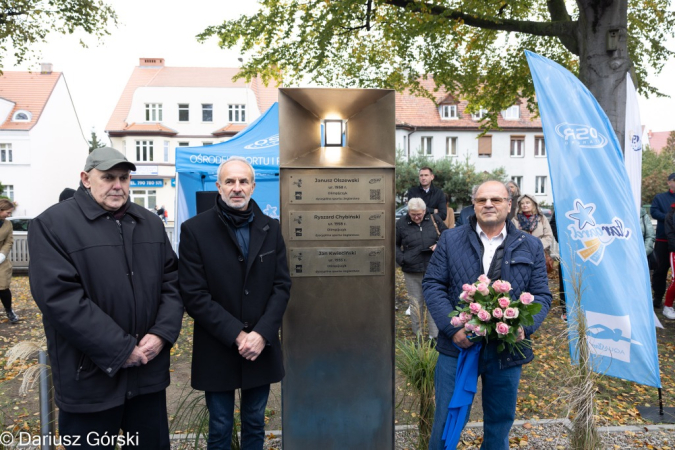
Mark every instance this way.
x=494 y=200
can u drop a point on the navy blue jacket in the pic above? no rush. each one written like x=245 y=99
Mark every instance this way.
x=434 y=199
x=660 y=207
x=458 y=260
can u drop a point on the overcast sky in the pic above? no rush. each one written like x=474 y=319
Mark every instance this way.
x=167 y=29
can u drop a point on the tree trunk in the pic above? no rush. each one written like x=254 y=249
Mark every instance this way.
x=603 y=70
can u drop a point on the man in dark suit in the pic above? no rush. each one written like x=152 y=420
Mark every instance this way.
x=433 y=197
x=235 y=283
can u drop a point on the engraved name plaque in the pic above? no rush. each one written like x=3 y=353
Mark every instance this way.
x=340 y=187
x=336 y=261
x=336 y=225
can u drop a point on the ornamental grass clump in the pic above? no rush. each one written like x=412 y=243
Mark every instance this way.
x=488 y=312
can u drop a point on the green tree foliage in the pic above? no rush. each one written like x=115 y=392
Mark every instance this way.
x=473 y=48
x=24 y=23
x=95 y=142
x=455 y=178
x=655 y=169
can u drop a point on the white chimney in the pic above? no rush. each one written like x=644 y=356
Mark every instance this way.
x=46 y=68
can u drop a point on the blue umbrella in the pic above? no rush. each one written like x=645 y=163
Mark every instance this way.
x=466 y=381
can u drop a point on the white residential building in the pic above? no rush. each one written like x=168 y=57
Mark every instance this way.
x=447 y=130
x=162 y=108
x=42 y=147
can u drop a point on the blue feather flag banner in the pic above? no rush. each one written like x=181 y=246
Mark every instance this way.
x=598 y=229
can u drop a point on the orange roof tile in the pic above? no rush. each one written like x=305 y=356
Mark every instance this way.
x=28 y=91
x=658 y=140
x=155 y=128
x=230 y=129
x=160 y=76
x=421 y=112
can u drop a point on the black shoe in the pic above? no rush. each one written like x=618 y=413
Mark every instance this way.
x=11 y=315
x=657 y=305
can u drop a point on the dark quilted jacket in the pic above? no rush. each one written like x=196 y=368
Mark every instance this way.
x=413 y=242
x=458 y=260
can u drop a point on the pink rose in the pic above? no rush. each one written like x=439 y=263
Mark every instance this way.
x=504 y=302
x=469 y=327
x=475 y=307
x=479 y=330
x=484 y=315
x=484 y=279
x=526 y=298
x=464 y=317
x=466 y=287
x=464 y=297
x=456 y=322
x=497 y=313
x=483 y=288
x=471 y=291
x=501 y=286
x=502 y=328
x=511 y=313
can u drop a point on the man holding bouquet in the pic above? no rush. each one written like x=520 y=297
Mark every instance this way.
x=487 y=248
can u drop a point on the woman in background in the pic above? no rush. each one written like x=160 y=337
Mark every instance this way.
x=6 y=241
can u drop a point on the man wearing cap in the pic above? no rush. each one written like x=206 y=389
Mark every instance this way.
x=660 y=207
x=105 y=278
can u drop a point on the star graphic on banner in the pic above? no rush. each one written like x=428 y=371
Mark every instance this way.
x=583 y=214
x=271 y=211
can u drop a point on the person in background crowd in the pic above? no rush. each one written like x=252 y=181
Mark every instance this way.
x=416 y=237
x=489 y=245
x=432 y=196
x=450 y=220
x=668 y=311
x=66 y=194
x=514 y=190
x=161 y=212
x=660 y=207
x=105 y=278
x=561 y=284
x=531 y=220
x=6 y=241
x=467 y=211
x=648 y=233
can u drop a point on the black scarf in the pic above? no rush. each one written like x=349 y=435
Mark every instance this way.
x=237 y=217
x=528 y=223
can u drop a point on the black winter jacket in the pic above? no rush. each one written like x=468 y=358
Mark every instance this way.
x=434 y=199
x=660 y=207
x=413 y=242
x=101 y=286
x=226 y=293
x=670 y=229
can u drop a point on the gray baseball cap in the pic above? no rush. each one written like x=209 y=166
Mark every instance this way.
x=105 y=158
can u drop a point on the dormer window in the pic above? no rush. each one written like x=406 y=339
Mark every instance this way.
x=480 y=114
x=511 y=113
x=153 y=112
x=21 y=116
x=448 y=112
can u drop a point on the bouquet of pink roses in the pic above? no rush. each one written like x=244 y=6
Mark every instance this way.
x=487 y=311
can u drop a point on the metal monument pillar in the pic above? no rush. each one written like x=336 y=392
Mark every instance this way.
x=337 y=163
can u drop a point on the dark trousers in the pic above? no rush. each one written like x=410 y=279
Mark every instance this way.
x=662 y=255
x=6 y=298
x=142 y=419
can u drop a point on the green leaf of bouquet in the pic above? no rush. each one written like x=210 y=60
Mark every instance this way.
x=534 y=308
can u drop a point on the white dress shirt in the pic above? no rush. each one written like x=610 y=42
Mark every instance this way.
x=490 y=245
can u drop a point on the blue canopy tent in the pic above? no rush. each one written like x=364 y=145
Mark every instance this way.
x=196 y=167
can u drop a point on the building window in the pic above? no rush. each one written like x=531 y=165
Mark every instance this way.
x=517 y=146
x=207 y=143
x=448 y=112
x=147 y=198
x=153 y=112
x=540 y=185
x=6 y=153
x=8 y=191
x=426 y=145
x=144 y=151
x=511 y=113
x=183 y=112
x=166 y=151
x=485 y=147
x=480 y=114
x=237 y=113
x=21 y=116
x=518 y=179
x=539 y=146
x=451 y=146
x=207 y=112
x=183 y=144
